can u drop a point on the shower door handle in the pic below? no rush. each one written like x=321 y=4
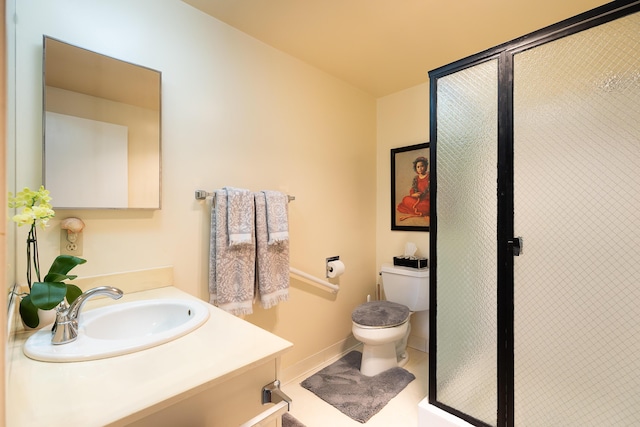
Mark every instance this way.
x=515 y=245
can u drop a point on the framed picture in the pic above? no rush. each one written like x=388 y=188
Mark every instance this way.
x=410 y=207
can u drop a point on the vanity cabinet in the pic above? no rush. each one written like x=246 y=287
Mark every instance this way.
x=230 y=403
x=212 y=376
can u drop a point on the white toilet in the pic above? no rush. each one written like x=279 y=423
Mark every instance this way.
x=383 y=326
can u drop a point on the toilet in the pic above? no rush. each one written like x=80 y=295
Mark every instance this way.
x=383 y=326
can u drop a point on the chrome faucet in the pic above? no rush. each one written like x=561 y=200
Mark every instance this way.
x=65 y=328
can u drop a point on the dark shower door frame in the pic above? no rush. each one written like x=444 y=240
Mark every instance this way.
x=505 y=197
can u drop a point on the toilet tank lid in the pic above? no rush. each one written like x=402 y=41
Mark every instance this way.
x=405 y=271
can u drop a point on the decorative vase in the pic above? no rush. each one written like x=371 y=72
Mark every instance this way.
x=47 y=317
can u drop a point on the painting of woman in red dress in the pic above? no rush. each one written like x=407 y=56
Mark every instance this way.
x=410 y=187
x=416 y=204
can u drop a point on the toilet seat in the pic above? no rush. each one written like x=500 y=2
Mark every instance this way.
x=378 y=327
x=380 y=314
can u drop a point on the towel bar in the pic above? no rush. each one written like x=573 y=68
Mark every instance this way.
x=202 y=195
x=268 y=416
x=271 y=393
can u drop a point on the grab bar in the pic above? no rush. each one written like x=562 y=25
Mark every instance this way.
x=330 y=286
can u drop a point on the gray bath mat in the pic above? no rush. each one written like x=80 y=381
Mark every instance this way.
x=360 y=397
x=289 y=420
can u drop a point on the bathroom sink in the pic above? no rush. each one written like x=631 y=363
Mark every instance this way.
x=120 y=329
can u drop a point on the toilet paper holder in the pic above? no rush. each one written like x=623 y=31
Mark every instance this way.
x=328 y=267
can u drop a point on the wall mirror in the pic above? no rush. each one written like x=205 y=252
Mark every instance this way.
x=101 y=127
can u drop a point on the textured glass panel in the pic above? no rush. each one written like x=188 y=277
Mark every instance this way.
x=577 y=206
x=466 y=245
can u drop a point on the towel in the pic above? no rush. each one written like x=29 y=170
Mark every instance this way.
x=231 y=268
x=277 y=220
x=240 y=216
x=272 y=261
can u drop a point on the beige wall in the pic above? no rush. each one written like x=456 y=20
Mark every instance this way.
x=235 y=113
x=403 y=119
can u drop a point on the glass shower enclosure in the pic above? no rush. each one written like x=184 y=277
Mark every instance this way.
x=535 y=232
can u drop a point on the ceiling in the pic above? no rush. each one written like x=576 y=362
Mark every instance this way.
x=385 y=46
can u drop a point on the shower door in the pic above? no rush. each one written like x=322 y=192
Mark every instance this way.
x=539 y=139
x=577 y=206
x=464 y=270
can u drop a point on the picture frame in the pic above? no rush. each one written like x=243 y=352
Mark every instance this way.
x=410 y=181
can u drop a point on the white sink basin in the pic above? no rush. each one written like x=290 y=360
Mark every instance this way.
x=120 y=329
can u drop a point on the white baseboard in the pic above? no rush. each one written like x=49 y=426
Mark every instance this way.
x=318 y=360
x=335 y=352
x=419 y=343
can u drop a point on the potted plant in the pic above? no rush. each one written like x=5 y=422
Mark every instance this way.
x=48 y=293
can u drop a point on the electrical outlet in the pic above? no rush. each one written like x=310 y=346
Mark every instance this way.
x=70 y=248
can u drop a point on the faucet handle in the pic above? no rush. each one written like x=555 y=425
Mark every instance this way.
x=62 y=311
x=62 y=307
x=64 y=329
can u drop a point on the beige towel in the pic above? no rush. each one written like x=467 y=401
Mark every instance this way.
x=231 y=268
x=272 y=260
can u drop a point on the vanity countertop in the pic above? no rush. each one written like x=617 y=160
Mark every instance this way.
x=128 y=387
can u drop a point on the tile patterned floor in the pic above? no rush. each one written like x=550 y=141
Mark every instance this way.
x=401 y=411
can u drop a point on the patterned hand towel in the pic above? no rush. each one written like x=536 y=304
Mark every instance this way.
x=272 y=261
x=277 y=216
x=231 y=268
x=240 y=216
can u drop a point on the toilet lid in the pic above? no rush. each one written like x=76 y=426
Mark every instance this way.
x=380 y=313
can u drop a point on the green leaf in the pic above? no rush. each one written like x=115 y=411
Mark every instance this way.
x=64 y=264
x=56 y=277
x=47 y=295
x=29 y=312
x=73 y=292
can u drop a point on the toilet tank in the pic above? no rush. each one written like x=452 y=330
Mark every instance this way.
x=405 y=285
